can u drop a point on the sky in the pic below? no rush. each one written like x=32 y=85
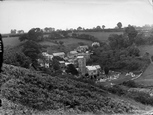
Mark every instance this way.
x=66 y=14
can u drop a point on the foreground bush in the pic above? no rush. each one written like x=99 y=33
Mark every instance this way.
x=43 y=92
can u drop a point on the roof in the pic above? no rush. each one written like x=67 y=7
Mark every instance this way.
x=80 y=57
x=73 y=52
x=85 y=46
x=97 y=66
x=91 y=67
x=61 y=61
x=67 y=63
x=58 y=53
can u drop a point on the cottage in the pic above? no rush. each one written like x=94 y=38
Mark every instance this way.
x=93 y=70
x=72 y=54
x=62 y=64
x=82 y=48
x=60 y=54
x=48 y=56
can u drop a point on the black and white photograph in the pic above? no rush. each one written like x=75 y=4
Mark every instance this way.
x=76 y=57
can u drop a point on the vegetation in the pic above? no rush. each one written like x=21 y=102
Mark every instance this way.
x=15 y=56
x=43 y=92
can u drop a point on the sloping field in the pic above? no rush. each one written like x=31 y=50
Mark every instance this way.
x=43 y=92
x=146 y=48
x=147 y=77
x=102 y=36
x=11 y=41
x=69 y=41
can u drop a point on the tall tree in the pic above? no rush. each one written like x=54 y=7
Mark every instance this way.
x=71 y=69
x=32 y=50
x=119 y=24
x=103 y=26
x=131 y=32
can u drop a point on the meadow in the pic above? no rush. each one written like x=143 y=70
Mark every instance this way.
x=11 y=41
x=102 y=36
x=146 y=48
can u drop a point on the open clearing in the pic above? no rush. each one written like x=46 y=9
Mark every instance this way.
x=69 y=41
x=146 y=48
x=102 y=36
x=11 y=41
x=147 y=77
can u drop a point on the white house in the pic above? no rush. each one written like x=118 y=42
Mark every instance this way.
x=72 y=54
x=60 y=54
x=48 y=56
x=93 y=70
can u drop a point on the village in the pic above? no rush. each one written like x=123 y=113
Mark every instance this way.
x=78 y=57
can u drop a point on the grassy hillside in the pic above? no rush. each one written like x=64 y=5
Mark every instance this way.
x=42 y=92
x=146 y=48
x=102 y=36
x=11 y=41
x=147 y=77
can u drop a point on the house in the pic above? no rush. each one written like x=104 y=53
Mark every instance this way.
x=60 y=54
x=93 y=71
x=82 y=48
x=62 y=64
x=48 y=56
x=72 y=54
x=86 y=55
x=42 y=63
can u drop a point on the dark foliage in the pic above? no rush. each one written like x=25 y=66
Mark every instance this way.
x=43 y=92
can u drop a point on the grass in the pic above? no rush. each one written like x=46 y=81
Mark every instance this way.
x=147 y=77
x=70 y=41
x=44 y=92
x=11 y=41
x=102 y=36
x=146 y=48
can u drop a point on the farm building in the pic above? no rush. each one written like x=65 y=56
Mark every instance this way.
x=59 y=54
x=72 y=54
x=48 y=56
x=93 y=70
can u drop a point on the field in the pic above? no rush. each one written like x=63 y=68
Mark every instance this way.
x=146 y=48
x=102 y=36
x=147 y=77
x=69 y=41
x=11 y=41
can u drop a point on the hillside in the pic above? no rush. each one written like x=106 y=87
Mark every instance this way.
x=102 y=36
x=38 y=93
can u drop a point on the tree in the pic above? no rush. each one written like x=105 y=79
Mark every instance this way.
x=23 y=37
x=55 y=64
x=79 y=28
x=103 y=26
x=106 y=70
x=35 y=34
x=98 y=28
x=131 y=33
x=119 y=24
x=32 y=50
x=61 y=42
x=71 y=69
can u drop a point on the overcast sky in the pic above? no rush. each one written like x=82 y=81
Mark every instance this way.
x=62 y=14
